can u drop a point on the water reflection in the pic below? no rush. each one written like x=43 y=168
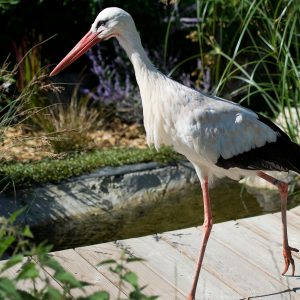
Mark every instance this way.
x=158 y=212
x=183 y=209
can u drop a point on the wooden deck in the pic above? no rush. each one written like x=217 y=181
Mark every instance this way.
x=243 y=261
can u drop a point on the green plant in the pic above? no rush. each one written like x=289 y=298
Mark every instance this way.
x=216 y=22
x=35 y=266
x=119 y=267
x=14 y=106
x=8 y=107
x=55 y=170
x=30 y=72
x=32 y=261
x=7 y=4
x=67 y=124
x=268 y=67
x=252 y=51
x=28 y=61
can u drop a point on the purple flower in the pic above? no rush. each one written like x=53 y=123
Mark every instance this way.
x=116 y=86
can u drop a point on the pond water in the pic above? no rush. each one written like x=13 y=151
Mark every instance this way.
x=171 y=211
x=229 y=200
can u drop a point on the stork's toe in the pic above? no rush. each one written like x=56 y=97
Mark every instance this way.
x=288 y=259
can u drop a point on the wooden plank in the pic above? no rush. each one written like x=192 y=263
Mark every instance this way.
x=178 y=269
x=255 y=249
x=227 y=265
x=155 y=285
x=83 y=271
x=296 y=210
x=269 y=227
x=243 y=259
x=292 y=220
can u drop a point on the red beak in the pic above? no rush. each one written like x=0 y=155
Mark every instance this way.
x=88 y=41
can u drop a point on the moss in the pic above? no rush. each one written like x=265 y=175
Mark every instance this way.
x=55 y=170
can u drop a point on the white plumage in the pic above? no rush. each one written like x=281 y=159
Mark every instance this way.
x=219 y=137
x=200 y=127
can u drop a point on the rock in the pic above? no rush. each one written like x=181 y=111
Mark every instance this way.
x=77 y=211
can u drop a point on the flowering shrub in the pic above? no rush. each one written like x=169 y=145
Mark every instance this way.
x=116 y=89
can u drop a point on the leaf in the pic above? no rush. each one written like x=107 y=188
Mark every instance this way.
x=106 y=262
x=42 y=251
x=16 y=214
x=53 y=264
x=137 y=295
x=132 y=259
x=28 y=271
x=52 y=294
x=119 y=268
x=5 y=243
x=131 y=278
x=27 y=232
x=26 y=296
x=69 y=279
x=14 y=260
x=7 y=287
x=97 y=296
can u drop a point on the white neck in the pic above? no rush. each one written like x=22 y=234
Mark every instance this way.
x=132 y=45
x=150 y=82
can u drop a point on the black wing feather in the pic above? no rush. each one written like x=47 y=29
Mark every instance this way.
x=282 y=155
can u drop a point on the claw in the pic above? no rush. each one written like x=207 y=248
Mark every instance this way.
x=288 y=259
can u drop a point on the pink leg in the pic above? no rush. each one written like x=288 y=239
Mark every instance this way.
x=207 y=226
x=287 y=250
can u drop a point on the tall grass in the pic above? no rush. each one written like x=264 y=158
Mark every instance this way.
x=269 y=67
x=260 y=59
x=24 y=97
x=67 y=124
x=16 y=105
x=218 y=24
x=13 y=104
x=8 y=107
x=253 y=52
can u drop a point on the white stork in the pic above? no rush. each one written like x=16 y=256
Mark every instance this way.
x=220 y=138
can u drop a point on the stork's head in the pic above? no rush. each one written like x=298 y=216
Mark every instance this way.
x=110 y=22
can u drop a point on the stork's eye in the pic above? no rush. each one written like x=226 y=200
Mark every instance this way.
x=100 y=23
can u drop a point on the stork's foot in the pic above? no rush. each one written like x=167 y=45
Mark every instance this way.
x=288 y=259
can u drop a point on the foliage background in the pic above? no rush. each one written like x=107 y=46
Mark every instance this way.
x=71 y=19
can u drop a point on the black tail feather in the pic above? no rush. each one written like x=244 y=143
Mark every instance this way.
x=282 y=155
x=293 y=157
